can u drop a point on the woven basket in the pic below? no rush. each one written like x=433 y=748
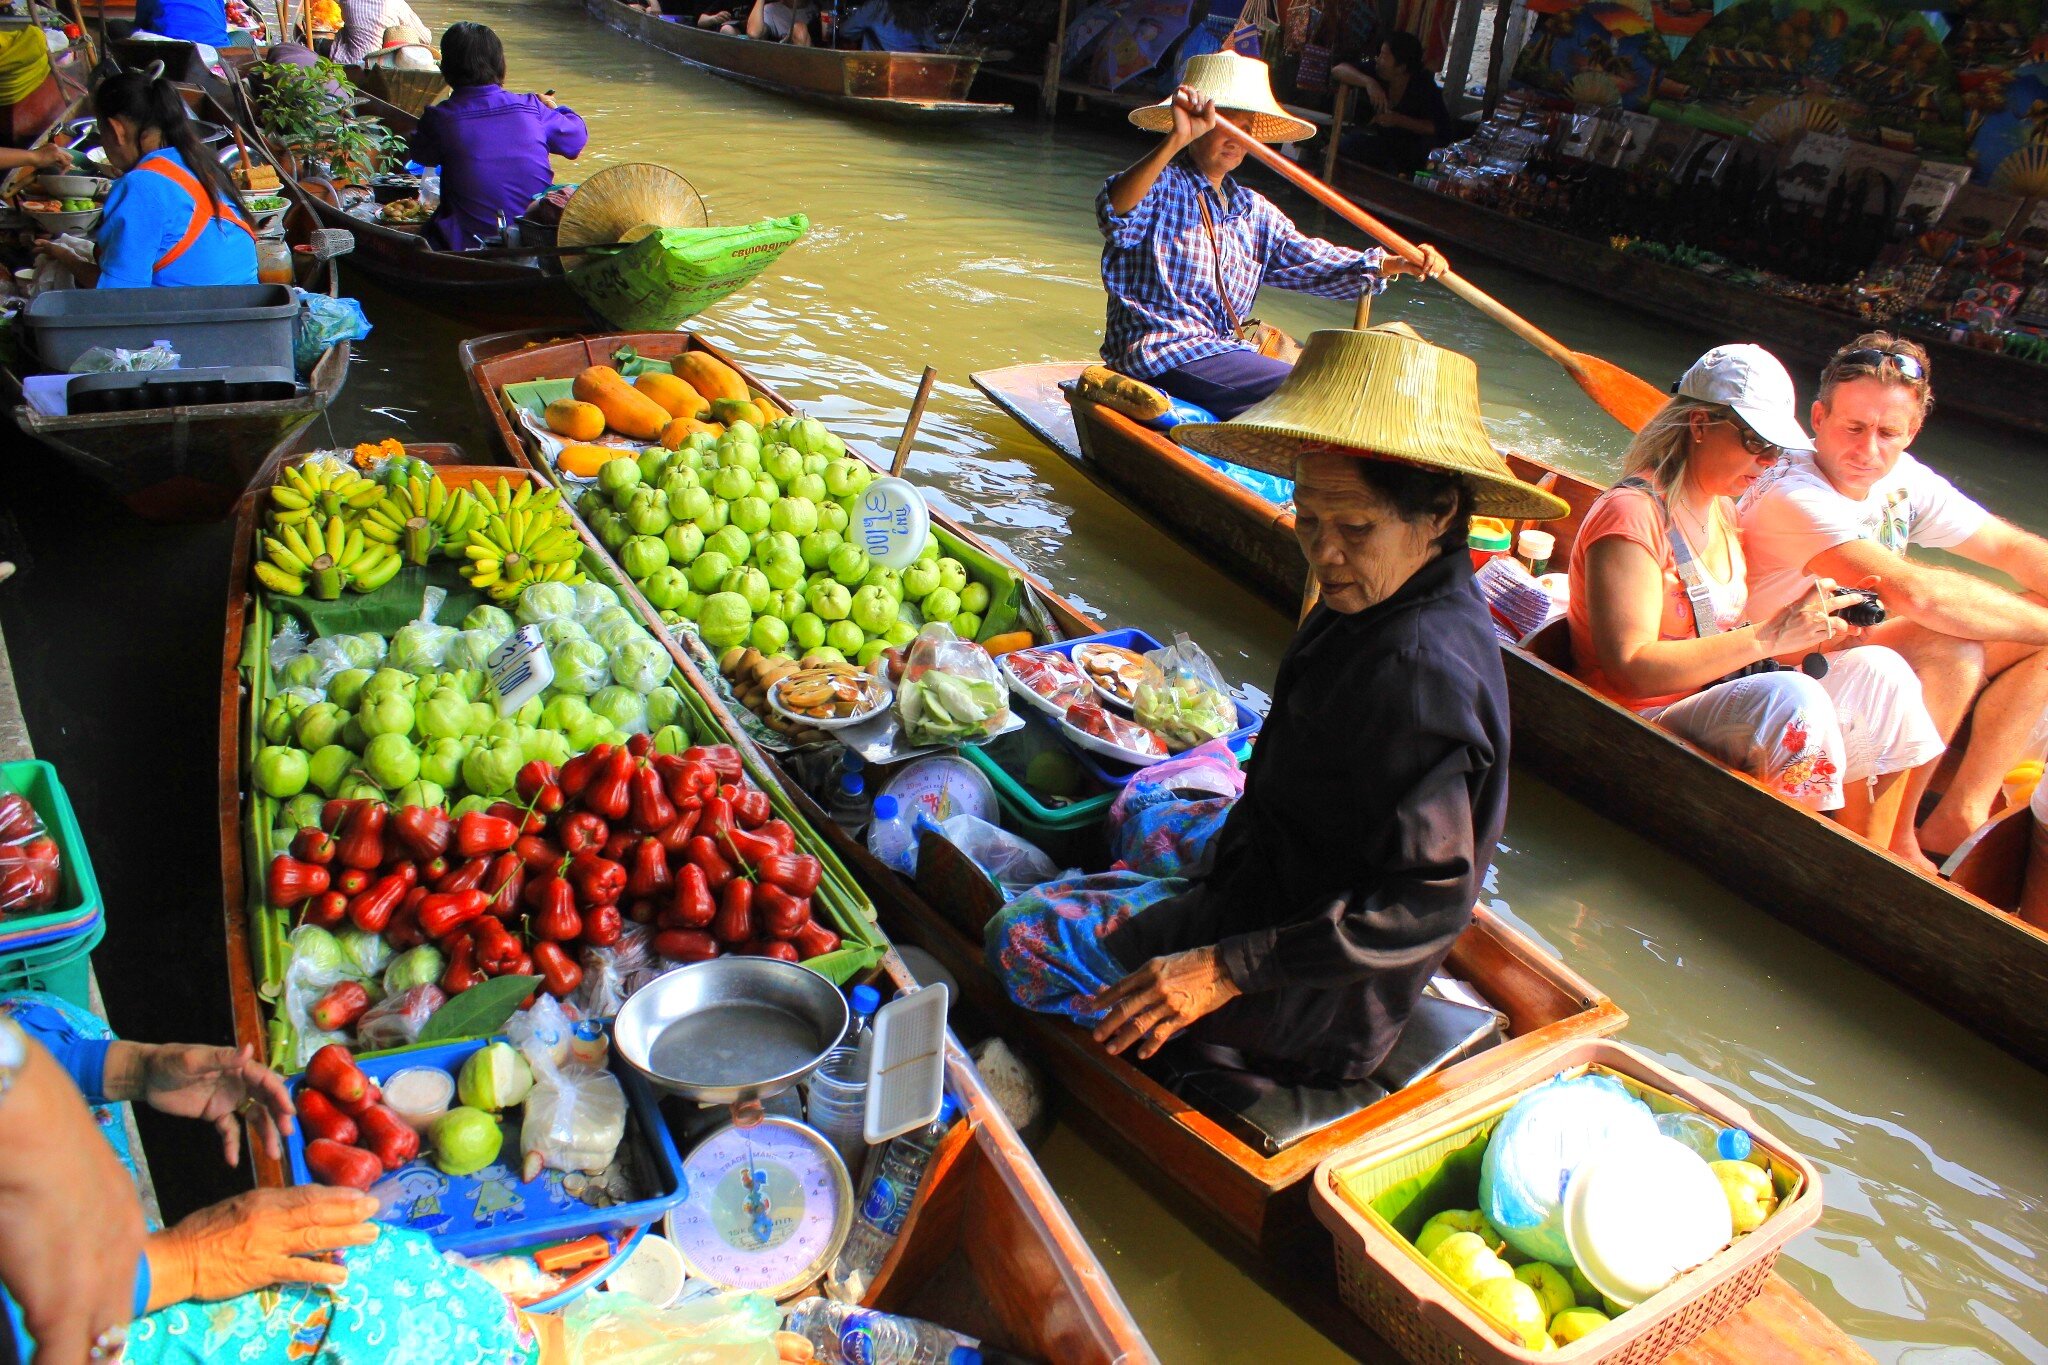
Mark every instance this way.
x=1387 y=1284
x=411 y=91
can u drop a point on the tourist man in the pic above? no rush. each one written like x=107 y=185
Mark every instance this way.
x=1848 y=512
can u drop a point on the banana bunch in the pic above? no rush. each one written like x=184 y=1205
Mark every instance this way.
x=420 y=516
x=323 y=558
x=524 y=538
x=505 y=499
x=318 y=491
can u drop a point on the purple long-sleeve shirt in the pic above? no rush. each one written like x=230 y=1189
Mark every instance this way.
x=492 y=147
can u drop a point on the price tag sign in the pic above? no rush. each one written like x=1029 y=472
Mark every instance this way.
x=891 y=523
x=520 y=669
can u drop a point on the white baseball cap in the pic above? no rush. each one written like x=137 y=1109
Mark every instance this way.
x=1750 y=380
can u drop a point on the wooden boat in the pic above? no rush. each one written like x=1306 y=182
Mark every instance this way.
x=1258 y=1201
x=988 y=1249
x=1996 y=388
x=1959 y=953
x=901 y=87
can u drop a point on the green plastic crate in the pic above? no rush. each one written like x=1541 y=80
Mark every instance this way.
x=78 y=892
x=62 y=968
x=1071 y=835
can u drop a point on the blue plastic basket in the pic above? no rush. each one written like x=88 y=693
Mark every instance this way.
x=520 y=1213
x=1108 y=771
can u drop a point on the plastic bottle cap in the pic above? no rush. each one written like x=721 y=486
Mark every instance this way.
x=1733 y=1144
x=852 y=761
x=964 y=1355
x=949 y=1109
x=1535 y=545
x=851 y=784
x=866 y=999
x=1488 y=533
x=886 y=808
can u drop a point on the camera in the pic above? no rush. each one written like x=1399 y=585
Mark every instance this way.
x=1866 y=613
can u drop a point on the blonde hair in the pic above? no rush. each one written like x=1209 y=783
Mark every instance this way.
x=1660 y=450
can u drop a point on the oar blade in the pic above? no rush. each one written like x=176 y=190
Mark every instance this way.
x=1628 y=399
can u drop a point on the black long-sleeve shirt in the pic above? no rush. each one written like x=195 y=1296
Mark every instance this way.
x=1372 y=805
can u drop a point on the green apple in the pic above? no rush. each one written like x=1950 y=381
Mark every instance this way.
x=622 y=473
x=921 y=579
x=849 y=564
x=280 y=771
x=818 y=547
x=846 y=637
x=665 y=588
x=726 y=620
x=1751 y=1196
x=391 y=761
x=641 y=556
x=736 y=545
x=751 y=585
x=683 y=541
x=831 y=600
x=1573 y=1323
x=1468 y=1261
x=441 y=761
x=1551 y=1287
x=345 y=689
x=807 y=630
x=1454 y=1220
x=329 y=768
x=1512 y=1304
x=709 y=569
x=770 y=635
x=319 y=725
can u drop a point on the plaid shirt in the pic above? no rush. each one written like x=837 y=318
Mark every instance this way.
x=1160 y=270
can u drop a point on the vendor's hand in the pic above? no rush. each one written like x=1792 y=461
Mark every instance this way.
x=1429 y=267
x=63 y=255
x=1809 y=622
x=222 y=1086
x=549 y=100
x=257 y=1240
x=1194 y=116
x=52 y=156
x=1161 y=998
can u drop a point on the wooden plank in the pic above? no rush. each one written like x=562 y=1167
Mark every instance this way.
x=1777 y=1326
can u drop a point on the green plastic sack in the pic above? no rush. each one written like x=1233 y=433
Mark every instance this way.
x=668 y=277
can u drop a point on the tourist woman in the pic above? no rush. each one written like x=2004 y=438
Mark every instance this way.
x=1293 y=943
x=1408 y=119
x=1186 y=248
x=173 y=218
x=1658 y=599
x=492 y=146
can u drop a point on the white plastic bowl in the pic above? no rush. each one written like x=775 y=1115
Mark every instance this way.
x=888 y=695
x=1642 y=1213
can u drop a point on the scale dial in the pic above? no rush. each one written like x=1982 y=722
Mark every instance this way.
x=768 y=1208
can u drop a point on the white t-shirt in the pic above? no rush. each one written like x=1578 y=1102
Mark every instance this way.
x=1793 y=513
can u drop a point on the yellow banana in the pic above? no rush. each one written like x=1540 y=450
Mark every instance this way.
x=277 y=553
x=277 y=580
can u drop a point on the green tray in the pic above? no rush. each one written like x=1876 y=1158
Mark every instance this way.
x=63 y=968
x=78 y=890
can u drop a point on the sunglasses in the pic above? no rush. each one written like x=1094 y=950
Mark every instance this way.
x=1762 y=451
x=1909 y=367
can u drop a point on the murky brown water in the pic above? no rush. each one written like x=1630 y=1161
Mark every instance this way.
x=978 y=249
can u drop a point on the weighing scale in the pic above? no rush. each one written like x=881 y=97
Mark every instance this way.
x=770 y=1205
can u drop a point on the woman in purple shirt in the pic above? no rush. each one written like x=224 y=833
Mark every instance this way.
x=492 y=146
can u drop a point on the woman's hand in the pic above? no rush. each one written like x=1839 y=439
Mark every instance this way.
x=1161 y=998
x=218 y=1085
x=52 y=156
x=63 y=255
x=257 y=1240
x=549 y=99
x=1194 y=116
x=1808 y=622
x=1429 y=267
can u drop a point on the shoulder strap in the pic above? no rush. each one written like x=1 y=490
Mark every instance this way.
x=1216 y=252
x=186 y=181
x=1691 y=577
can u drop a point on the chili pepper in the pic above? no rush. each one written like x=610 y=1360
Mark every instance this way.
x=362 y=839
x=353 y=881
x=372 y=1094
x=748 y=848
x=310 y=845
x=580 y=771
x=558 y=919
x=691 y=906
x=751 y=808
x=649 y=874
x=559 y=974
x=461 y=972
x=443 y=912
x=796 y=873
x=814 y=940
x=388 y=1137
x=678 y=833
x=537 y=853
x=322 y=1120
x=406 y=871
x=372 y=910
x=780 y=913
x=619 y=845
x=610 y=794
x=477 y=833
x=583 y=830
x=715 y=821
x=334 y=814
x=603 y=925
x=781 y=833
x=424 y=831
x=292 y=881
x=735 y=920
x=640 y=746
x=333 y=1072
x=717 y=869
x=523 y=820
x=722 y=759
x=644 y=912
x=536 y=774
x=690 y=785
x=333 y=1163
x=599 y=881
x=686 y=945
x=343 y=1004
x=328 y=910
x=652 y=810
x=504 y=882
x=468 y=874
x=773 y=947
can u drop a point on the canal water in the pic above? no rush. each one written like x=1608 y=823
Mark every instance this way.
x=976 y=249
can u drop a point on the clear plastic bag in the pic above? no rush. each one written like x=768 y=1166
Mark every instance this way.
x=707 y=1329
x=29 y=861
x=543 y=602
x=951 y=692
x=396 y=1020
x=611 y=974
x=1182 y=698
x=422 y=647
x=116 y=360
x=319 y=961
x=1015 y=864
x=576 y=1115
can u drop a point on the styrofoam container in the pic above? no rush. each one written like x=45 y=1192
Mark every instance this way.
x=1641 y=1214
x=652 y=1273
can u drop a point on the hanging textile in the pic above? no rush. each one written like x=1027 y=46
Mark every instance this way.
x=1429 y=20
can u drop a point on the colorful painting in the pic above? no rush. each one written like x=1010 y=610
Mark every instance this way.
x=1139 y=39
x=1596 y=52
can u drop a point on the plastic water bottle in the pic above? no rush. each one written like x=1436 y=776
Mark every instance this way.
x=838 y=1090
x=891 y=837
x=1704 y=1136
x=885 y=1200
x=847 y=1335
x=850 y=805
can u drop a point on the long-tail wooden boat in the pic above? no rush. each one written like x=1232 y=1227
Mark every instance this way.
x=1995 y=388
x=1960 y=954
x=901 y=87
x=988 y=1248
x=1257 y=1201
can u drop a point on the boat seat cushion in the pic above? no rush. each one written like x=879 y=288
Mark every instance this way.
x=1269 y=1116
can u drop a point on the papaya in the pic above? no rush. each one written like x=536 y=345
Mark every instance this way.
x=583 y=461
x=769 y=411
x=677 y=433
x=730 y=410
x=672 y=393
x=577 y=421
x=710 y=377
x=1009 y=640
x=626 y=410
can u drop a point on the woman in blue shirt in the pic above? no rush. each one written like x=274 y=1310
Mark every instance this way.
x=193 y=21
x=174 y=217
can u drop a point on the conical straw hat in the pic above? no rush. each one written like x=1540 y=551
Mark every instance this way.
x=1242 y=91
x=624 y=203
x=1380 y=394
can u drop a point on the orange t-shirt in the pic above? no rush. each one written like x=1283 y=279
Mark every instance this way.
x=1633 y=515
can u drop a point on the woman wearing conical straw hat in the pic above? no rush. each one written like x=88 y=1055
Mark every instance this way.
x=1186 y=248
x=1290 y=938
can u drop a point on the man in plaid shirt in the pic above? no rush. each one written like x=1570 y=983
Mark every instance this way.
x=1163 y=258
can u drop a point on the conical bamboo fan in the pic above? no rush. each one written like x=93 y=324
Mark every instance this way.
x=625 y=203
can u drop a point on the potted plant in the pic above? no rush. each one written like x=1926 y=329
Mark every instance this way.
x=308 y=114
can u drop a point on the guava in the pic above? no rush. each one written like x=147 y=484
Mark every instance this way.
x=709 y=569
x=810 y=486
x=846 y=478
x=683 y=541
x=281 y=771
x=832 y=517
x=900 y=635
x=465 y=1140
x=808 y=630
x=622 y=473
x=952 y=573
x=921 y=579
x=845 y=636
x=736 y=545
x=751 y=585
x=874 y=610
x=797 y=516
x=818 y=547
x=642 y=555
x=715 y=517
x=849 y=564
x=726 y=619
x=967 y=625
x=783 y=567
x=665 y=587
x=769 y=635
x=942 y=605
x=391 y=761
x=732 y=482
x=786 y=604
x=345 y=689
x=329 y=768
x=750 y=513
x=441 y=761
x=974 y=598
x=648 y=512
x=831 y=600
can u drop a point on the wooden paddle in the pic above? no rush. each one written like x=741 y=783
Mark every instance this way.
x=1626 y=398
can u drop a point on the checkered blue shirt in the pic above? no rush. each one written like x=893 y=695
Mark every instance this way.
x=1160 y=269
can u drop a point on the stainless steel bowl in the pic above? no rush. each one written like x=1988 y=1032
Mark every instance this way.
x=732 y=1029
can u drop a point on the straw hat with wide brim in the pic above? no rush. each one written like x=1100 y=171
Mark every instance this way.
x=1383 y=394
x=625 y=203
x=1242 y=91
